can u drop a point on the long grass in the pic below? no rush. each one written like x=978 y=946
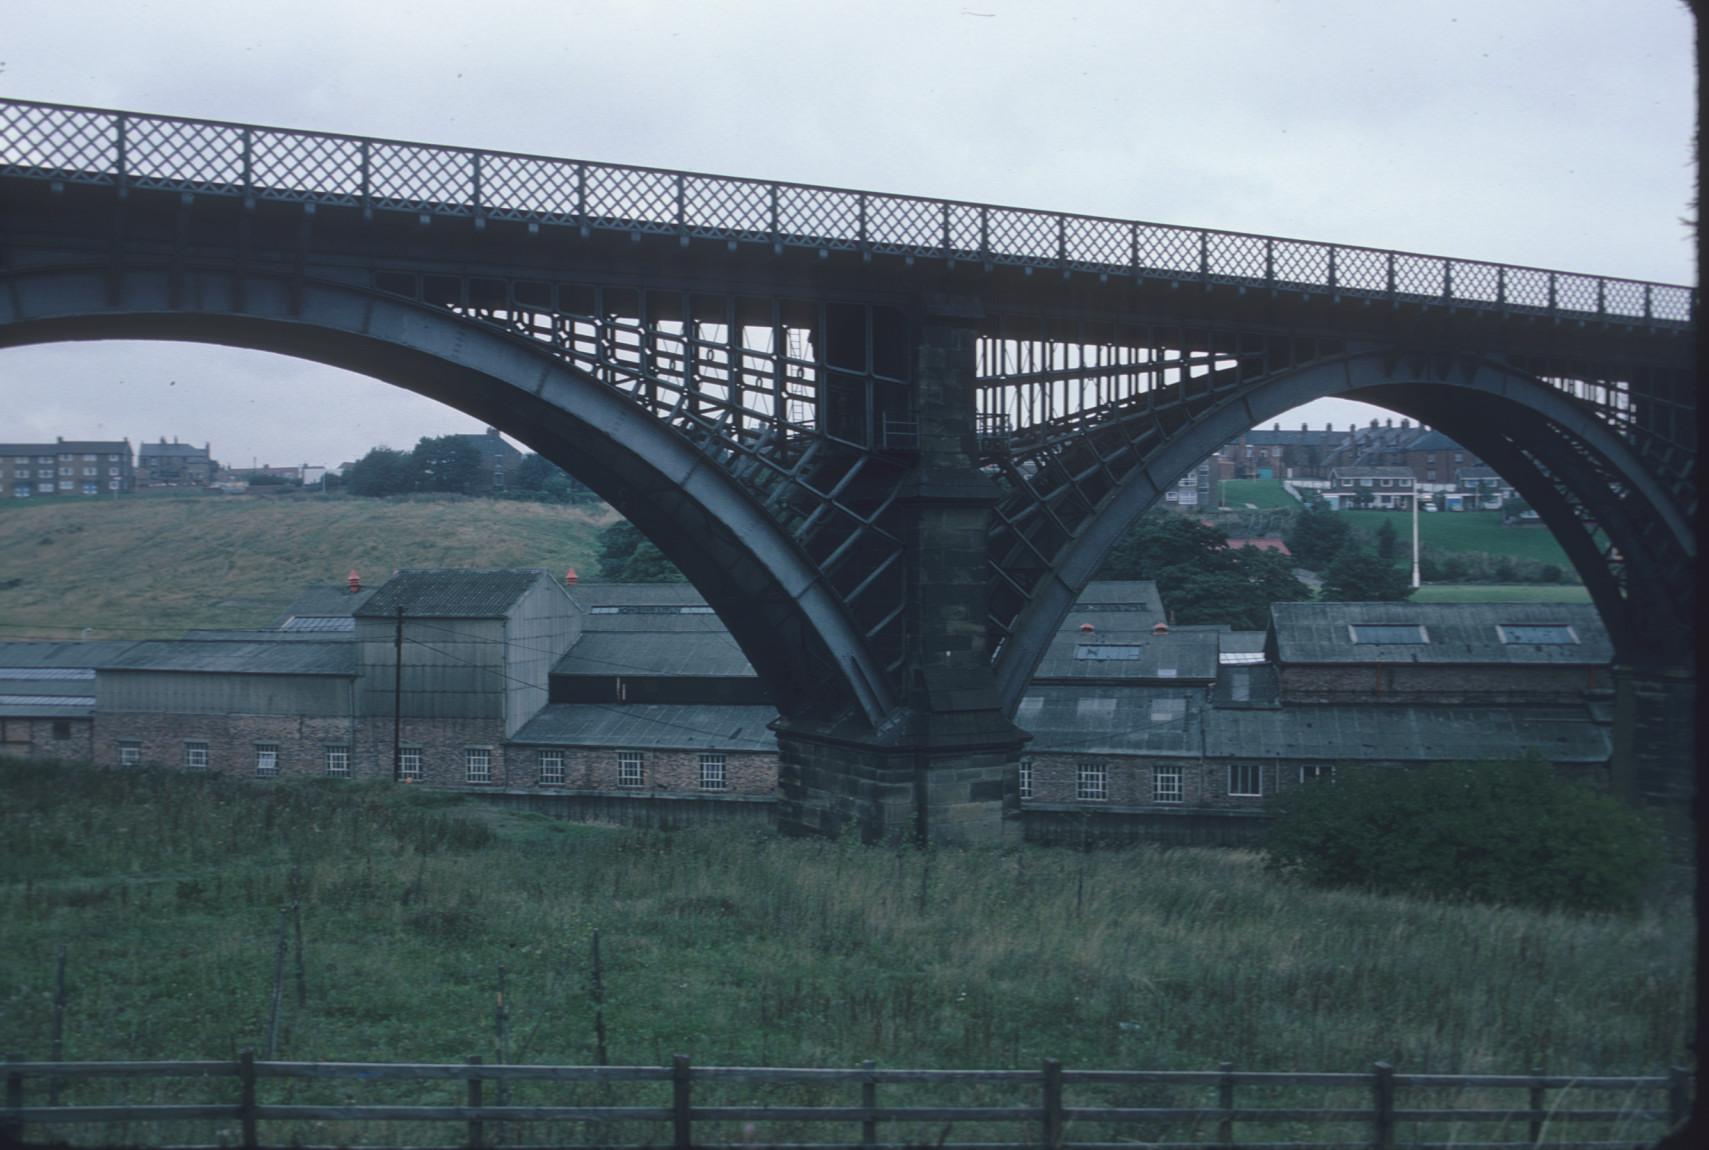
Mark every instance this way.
x=739 y=948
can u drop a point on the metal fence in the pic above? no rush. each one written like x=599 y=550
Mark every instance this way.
x=74 y=145
x=681 y=1105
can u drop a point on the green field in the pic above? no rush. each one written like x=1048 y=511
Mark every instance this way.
x=1501 y=593
x=135 y=568
x=1480 y=531
x=743 y=948
x=1260 y=493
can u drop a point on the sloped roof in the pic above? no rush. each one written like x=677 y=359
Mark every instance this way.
x=703 y=727
x=1113 y=721
x=452 y=593
x=1129 y=654
x=25 y=653
x=267 y=657
x=656 y=652
x=1456 y=633
x=323 y=600
x=33 y=706
x=1259 y=437
x=1372 y=472
x=1433 y=441
x=1405 y=734
x=172 y=449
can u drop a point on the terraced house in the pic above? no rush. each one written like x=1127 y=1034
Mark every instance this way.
x=632 y=703
x=66 y=467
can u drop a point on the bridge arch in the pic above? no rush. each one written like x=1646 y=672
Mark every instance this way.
x=791 y=627
x=1568 y=463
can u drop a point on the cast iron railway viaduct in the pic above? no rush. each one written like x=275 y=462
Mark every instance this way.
x=888 y=438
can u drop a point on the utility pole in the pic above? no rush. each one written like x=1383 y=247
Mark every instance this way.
x=1415 y=580
x=398 y=697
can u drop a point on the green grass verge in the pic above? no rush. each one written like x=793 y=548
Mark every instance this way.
x=1480 y=531
x=1501 y=593
x=1260 y=493
x=135 y=568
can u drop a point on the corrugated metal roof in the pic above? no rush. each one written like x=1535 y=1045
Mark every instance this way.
x=589 y=595
x=652 y=725
x=1129 y=654
x=659 y=652
x=1457 y=633
x=1114 y=721
x=265 y=657
x=1405 y=734
x=250 y=636
x=452 y=594
x=1104 y=597
x=46 y=701
x=23 y=653
x=1231 y=642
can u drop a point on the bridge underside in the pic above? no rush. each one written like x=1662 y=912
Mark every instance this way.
x=893 y=486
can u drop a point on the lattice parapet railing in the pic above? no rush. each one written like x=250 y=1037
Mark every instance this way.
x=74 y=145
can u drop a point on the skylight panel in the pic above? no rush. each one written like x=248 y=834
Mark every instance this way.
x=1543 y=634
x=1108 y=652
x=1389 y=633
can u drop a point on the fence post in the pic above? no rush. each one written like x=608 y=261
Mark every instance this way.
x=682 y=1128
x=1678 y=1095
x=1536 y=1103
x=868 y=1101
x=57 y=1052
x=475 y=1130
x=1225 y=1100
x=1382 y=1092
x=246 y=1096
x=1052 y=1104
x=12 y=1133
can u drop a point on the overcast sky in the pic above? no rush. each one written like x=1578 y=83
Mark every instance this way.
x=1553 y=133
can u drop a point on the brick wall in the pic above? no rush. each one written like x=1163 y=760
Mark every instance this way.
x=1449 y=685
x=595 y=768
x=231 y=741
x=69 y=739
x=1130 y=782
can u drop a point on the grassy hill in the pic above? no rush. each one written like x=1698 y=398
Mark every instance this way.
x=739 y=948
x=152 y=567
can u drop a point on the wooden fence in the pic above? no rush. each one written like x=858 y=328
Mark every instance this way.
x=1052 y=1107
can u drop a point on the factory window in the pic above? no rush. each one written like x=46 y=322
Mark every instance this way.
x=338 y=760
x=629 y=770
x=130 y=753
x=1090 y=782
x=62 y=728
x=1166 y=785
x=1026 y=778
x=551 y=764
x=1245 y=779
x=711 y=772
x=478 y=764
x=409 y=764
x=195 y=756
x=266 y=760
x=1312 y=773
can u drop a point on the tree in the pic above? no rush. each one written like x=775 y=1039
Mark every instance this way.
x=1356 y=576
x=382 y=471
x=1387 y=541
x=1200 y=578
x=540 y=479
x=1317 y=534
x=627 y=556
x=1502 y=832
x=446 y=463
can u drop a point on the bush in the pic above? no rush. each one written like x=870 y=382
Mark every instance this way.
x=1500 y=832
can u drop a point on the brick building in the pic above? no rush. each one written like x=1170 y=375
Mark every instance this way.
x=1381 y=488
x=66 y=467
x=175 y=464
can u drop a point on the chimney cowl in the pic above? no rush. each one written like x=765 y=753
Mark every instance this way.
x=1086 y=628
x=355 y=581
x=570 y=577
x=1161 y=628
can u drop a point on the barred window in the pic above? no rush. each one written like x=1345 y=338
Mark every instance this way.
x=409 y=764
x=130 y=753
x=338 y=760
x=1090 y=782
x=551 y=764
x=711 y=772
x=195 y=756
x=1166 y=785
x=266 y=760
x=1245 y=779
x=478 y=764
x=629 y=770
x=1026 y=778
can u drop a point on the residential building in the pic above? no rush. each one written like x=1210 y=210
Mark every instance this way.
x=175 y=464
x=1380 y=488
x=1275 y=453
x=66 y=467
x=499 y=461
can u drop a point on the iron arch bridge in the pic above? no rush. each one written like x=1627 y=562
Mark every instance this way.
x=889 y=438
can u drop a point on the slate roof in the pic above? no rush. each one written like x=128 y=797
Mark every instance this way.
x=657 y=652
x=171 y=449
x=1115 y=596
x=324 y=600
x=69 y=447
x=1297 y=438
x=1141 y=655
x=1120 y=721
x=1433 y=441
x=597 y=594
x=1364 y=472
x=451 y=594
x=34 y=706
x=1405 y=734
x=705 y=727
x=24 y=653
x=266 y=657
x=1457 y=633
